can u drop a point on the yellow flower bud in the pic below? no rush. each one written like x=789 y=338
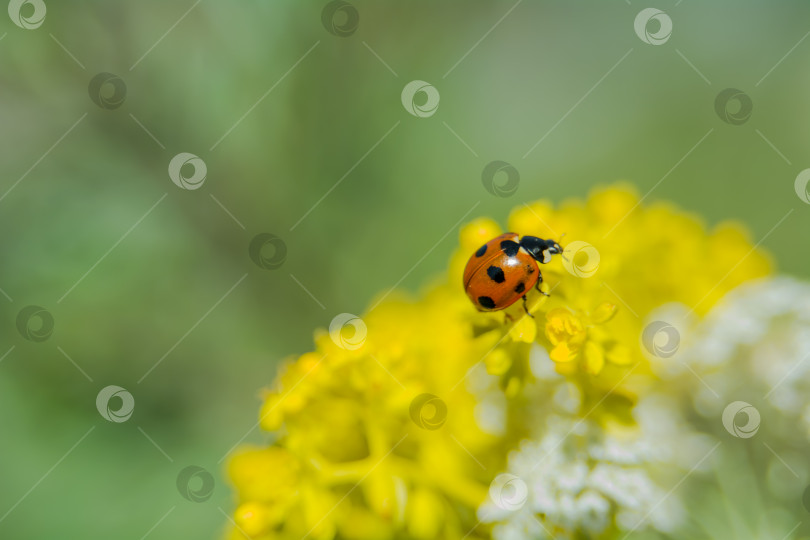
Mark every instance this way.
x=478 y=232
x=424 y=514
x=252 y=518
x=497 y=361
x=603 y=312
x=524 y=330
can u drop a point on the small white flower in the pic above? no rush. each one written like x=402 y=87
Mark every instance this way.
x=593 y=509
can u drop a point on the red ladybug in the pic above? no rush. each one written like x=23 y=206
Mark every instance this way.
x=503 y=269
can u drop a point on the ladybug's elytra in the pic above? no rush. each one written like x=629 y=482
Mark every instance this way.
x=503 y=269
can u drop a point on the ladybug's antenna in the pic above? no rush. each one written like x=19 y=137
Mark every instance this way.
x=562 y=253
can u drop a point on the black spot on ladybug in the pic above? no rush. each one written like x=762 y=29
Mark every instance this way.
x=495 y=273
x=530 y=269
x=520 y=287
x=486 y=302
x=510 y=248
x=481 y=251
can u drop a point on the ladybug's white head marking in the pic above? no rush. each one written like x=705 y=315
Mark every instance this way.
x=541 y=250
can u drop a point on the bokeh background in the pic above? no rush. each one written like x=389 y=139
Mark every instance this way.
x=137 y=271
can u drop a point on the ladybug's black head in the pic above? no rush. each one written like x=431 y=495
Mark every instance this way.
x=541 y=250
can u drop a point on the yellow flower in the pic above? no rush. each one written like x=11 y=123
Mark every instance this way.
x=379 y=435
x=566 y=333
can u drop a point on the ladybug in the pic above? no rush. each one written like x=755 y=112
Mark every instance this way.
x=503 y=269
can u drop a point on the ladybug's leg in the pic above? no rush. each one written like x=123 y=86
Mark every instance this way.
x=537 y=285
x=526 y=308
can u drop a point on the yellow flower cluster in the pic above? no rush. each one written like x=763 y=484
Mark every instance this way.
x=376 y=431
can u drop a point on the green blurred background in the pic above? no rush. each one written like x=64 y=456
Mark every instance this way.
x=508 y=75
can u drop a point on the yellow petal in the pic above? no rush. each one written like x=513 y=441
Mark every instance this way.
x=612 y=204
x=252 y=518
x=603 y=312
x=270 y=414
x=380 y=491
x=619 y=354
x=425 y=514
x=478 y=232
x=497 y=362
x=536 y=219
x=561 y=353
x=524 y=330
x=361 y=524
x=512 y=387
x=594 y=358
x=320 y=510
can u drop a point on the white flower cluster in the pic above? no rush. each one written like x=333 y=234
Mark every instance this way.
x=755 y=345
x=577 y=481
x=575 y=477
